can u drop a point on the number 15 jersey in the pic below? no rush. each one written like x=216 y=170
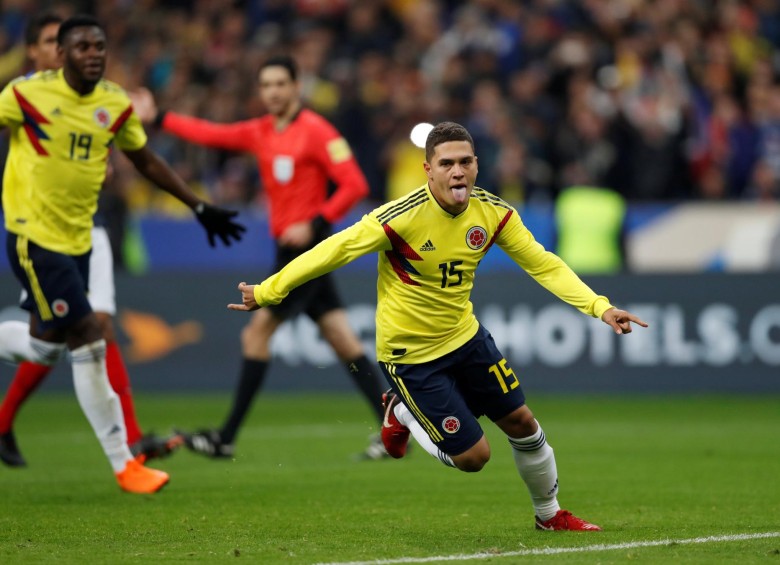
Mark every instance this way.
x=60 y=142
x=427 y=262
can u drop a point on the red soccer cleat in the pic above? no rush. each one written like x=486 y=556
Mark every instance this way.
x=566 y=521
x=395 y=436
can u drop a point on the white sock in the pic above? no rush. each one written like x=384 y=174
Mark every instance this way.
x=17 y=345
x=535 y=461
x=99 y=402
x=407 y=419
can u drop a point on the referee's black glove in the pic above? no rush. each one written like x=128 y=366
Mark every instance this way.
x=219 y=222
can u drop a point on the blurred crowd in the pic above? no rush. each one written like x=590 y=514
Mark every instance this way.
x=658 y=99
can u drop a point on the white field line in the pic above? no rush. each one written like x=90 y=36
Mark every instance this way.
x=559 y=550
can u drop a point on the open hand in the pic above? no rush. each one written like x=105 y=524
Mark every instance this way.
x=143 y=104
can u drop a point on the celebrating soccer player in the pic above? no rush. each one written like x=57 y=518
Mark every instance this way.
x=443 y=366
x=63 y=125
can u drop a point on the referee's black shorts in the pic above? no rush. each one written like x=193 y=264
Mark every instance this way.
x=314 y=298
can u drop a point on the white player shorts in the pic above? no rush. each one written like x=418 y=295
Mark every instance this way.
x=102 y=294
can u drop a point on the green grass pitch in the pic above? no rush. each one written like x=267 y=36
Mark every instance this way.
x=646 y=468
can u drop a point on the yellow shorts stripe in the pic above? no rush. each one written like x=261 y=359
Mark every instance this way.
x=430 y=429
x=26 y=263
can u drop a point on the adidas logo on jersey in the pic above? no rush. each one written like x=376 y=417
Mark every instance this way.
x=428 y=246
x=56 y=112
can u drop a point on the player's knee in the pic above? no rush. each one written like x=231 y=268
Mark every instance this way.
x=335 y=329
x=106 y=322
x=44 y=352
x=473 y=460
x=256 y=341
x=472 y=464
x=254 y=334
x=347 y=348
x=86 y=330
x=518 y=424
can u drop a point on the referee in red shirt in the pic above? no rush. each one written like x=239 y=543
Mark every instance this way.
x=297 y=152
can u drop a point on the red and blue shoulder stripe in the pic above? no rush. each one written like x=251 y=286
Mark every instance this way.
x=33 y=120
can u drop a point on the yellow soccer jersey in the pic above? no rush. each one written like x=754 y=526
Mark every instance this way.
x=60 y=142
x=427 y=262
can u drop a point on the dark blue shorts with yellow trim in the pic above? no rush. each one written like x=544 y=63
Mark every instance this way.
x=56 y=283
x=447 y=395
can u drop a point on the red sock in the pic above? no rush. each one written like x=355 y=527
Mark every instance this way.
x=120 y=382
x=28 y=377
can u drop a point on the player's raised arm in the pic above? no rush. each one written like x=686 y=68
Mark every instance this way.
x=216 y=221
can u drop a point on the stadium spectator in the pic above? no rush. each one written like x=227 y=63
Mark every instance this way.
x=442 y=365
x=41 y=39
x=653 y=73
x=298 y=153
x=51 y=183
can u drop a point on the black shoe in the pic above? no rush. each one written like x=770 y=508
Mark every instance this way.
x=152 y=446
x=9 y=452
x=208 y=443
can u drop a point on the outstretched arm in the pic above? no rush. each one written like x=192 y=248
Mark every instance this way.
x=366 y=236
x=216 y=221
x=238 y=136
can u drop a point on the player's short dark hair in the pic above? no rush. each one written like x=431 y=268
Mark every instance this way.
x=282 y=61
x=444 y=132
x=80 y=20
x=32 y=33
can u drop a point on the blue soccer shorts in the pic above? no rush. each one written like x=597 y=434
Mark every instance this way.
x=447 y=395
x=56 y=284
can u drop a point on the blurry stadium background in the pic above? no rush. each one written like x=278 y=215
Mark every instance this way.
x=651 y=130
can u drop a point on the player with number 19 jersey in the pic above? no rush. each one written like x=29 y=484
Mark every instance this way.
x=58 y=156
x=427 y=262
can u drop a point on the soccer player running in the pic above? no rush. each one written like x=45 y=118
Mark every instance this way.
x=297 y=152
x=41 y=40
x=443 y=366
x=63 y=125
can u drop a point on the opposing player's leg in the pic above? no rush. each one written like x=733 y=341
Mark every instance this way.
x=16 y=344
x=27 y=379
x=143 y=446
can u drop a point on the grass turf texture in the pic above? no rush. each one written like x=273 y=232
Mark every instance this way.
x=644 y=468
